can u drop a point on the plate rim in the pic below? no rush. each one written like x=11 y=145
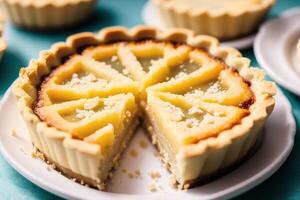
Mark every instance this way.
x=259 y=55
x=229 y=193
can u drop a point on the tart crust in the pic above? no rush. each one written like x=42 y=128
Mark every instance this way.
x=48 y=15
x=224 y=25
x=193 y=160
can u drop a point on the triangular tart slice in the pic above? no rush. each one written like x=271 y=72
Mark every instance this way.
x=210 y=84
x=82 y=77
x=186 y=120
x=95 y=120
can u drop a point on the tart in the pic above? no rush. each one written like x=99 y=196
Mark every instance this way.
x=202 y=105
x=48 y=14
x=222 y=19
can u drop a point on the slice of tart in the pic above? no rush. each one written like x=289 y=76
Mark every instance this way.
x=203 y=106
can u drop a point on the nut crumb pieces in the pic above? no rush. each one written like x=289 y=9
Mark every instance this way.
x=124 y=170
x=173 y=181
x=91 y=103
x=133 y=153
x=125 y=71
x=152 y=187
x=186 y=186
x=14 y=132
x=114 y=58
x=130 y=175
x=128 y=113
x=135 y=174
x=143 y=144
x=154 y=175
x=37 y=154
x=50 y=167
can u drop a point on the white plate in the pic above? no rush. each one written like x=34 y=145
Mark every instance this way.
x=275 y=148
x=275 y=49
x=150 y=17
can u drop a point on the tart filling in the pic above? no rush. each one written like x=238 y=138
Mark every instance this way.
x=203 y=111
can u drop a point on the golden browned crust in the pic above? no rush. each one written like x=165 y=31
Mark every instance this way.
x=211 y=22
x=25 y=89
x=48 y=15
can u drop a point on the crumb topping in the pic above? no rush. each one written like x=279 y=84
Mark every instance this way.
x=180 y=75
x=143 y=144
x=192 y=122
x=208 y=119
x=133 y=153
x=195 y=110
x=177 y=114
x=125 y=71
x=110 y=103
x=154 y=174
x=91 y=103
x=14 y=132
x=152 y=187
x=82 y=114
x=133 y=174
x=84 y=80
x=114 y=58
x=214 y=88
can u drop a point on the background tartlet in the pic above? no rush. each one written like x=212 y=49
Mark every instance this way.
x=47 y=14
x=3 y=44
x=225 y=23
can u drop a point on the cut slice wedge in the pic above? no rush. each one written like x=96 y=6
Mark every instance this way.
x=188 y=120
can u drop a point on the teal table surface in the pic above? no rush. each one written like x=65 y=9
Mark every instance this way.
x=24 y=45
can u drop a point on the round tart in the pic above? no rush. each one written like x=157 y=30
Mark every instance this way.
x=222 y=19
x=202 y=105
x=48 y=14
